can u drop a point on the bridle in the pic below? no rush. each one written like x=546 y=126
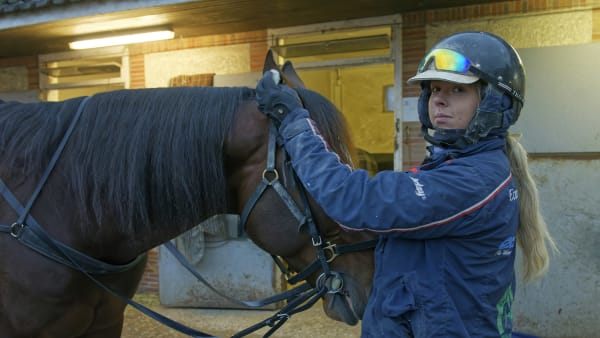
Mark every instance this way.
x=326 y=251
x=328 y=281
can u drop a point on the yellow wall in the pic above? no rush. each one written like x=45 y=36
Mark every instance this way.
x=358 y=93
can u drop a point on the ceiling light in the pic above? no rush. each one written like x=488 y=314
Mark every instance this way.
x=123 y=39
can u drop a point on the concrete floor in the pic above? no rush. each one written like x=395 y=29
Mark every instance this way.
x=312 y=323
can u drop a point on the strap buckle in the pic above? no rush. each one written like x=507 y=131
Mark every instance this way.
x=16 y=229
x=330 y=251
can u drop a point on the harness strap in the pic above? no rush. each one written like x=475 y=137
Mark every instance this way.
x=317 y=241
x=346 y=248
x=258 y=303
x=147 y=311
x=53 y=161
x=277 y=320
x=270 y=179
x=29 y=232
x=33 y=235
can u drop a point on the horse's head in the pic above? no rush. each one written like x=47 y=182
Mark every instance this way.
x=271 y=223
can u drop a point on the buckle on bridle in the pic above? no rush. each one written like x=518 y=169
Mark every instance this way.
x=16 y=229
x=330 y=251
x=317 y=241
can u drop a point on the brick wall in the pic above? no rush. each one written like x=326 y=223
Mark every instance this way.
x=149 y=282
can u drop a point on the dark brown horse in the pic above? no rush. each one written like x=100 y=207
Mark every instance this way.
x=140 y=168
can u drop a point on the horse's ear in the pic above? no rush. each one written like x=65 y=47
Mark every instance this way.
x=270 y=62
x=291 y=76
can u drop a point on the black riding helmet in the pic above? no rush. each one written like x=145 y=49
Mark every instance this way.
x=468 y=57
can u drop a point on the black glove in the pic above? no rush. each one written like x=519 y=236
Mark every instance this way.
x=274 y=99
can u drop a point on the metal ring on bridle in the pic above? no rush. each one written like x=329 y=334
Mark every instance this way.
x=16 y=229
x=333 y=283
x=275 y=176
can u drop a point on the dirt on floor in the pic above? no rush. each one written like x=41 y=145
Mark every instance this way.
x=312 y=323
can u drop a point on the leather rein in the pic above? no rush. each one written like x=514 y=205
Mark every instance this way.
x=31 y=234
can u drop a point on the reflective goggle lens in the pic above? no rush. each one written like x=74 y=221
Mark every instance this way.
x=447 y=60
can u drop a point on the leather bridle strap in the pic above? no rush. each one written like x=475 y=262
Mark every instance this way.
x=29 y=232
x=298 y=304
x=52 y=164
x=257 y=303
x=33 y=235
x=270 y=178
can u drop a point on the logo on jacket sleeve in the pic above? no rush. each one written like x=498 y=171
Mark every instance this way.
x=418 y=188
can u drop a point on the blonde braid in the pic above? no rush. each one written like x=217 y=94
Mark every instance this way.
x=532 y=234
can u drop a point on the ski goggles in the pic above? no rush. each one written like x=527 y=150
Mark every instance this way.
x=445 y=60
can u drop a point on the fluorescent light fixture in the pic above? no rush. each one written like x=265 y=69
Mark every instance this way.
x=123 y=39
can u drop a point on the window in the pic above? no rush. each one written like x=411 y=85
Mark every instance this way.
x=73 y=74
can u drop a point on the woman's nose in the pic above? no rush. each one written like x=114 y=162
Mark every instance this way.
x=438 y=99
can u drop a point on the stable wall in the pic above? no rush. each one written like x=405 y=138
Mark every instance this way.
x=566 y=302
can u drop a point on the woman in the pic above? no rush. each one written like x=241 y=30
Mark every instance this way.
x=444 y=263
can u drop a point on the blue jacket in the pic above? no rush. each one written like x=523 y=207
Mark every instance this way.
x=444 y=263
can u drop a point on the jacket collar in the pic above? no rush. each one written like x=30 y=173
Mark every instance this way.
x=439 y=154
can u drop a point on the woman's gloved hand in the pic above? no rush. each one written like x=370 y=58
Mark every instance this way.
x=275 y=99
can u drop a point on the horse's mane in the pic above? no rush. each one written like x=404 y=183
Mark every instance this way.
x=138 y=158
x=150 y=157
x=331 y=123
x=29 y=133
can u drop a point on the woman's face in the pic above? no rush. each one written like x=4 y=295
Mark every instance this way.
x=452 y=105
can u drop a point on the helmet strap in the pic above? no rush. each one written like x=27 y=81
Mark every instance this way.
x=492 y=116
x=423 y=105
x=482 y=124
x=446 y=138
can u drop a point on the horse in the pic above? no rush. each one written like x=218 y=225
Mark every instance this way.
x=140 y=167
